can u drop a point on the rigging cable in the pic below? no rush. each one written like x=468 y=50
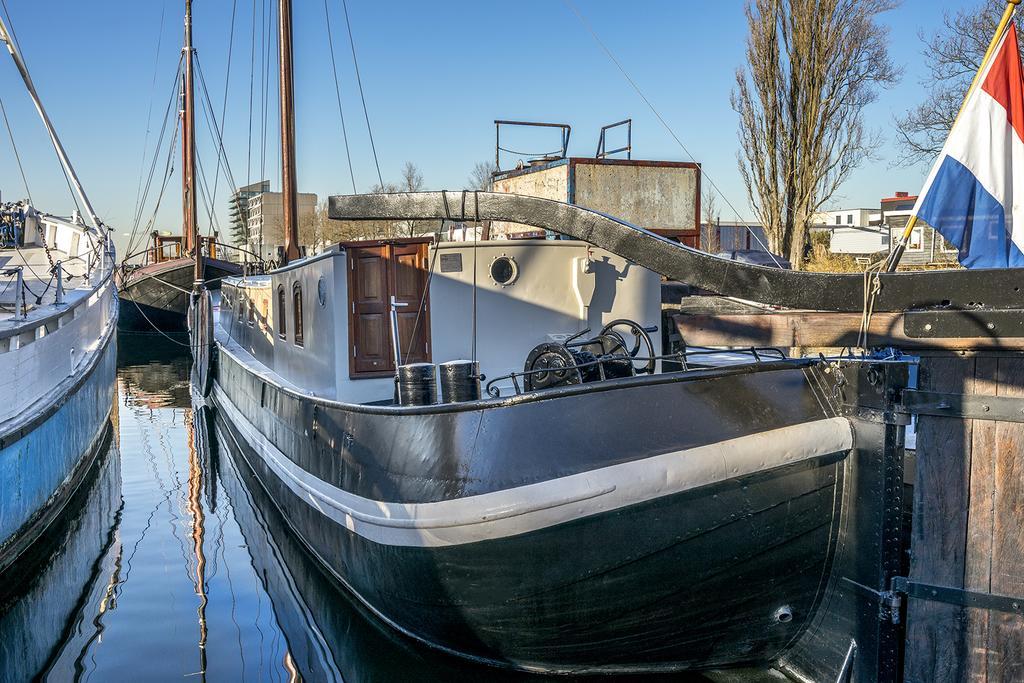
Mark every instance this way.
x=359 y=81
x=252 y=73
x=17 y=44
x=215 y=126
x=168 y=173
x=17 y=157
x=337 y=93
x=224 y=107
x=149 y=112
x=168 y=116
x=664 y=123
x=265 y=112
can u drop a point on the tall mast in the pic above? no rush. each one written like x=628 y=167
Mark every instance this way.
x=289 y=192
x=190 y=222
x=5 y=36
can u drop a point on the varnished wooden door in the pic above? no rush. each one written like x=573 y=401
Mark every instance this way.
x=378 y=271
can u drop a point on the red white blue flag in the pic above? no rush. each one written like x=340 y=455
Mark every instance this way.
x=974 y=195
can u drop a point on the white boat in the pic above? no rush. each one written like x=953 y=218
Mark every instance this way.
x=58 y=315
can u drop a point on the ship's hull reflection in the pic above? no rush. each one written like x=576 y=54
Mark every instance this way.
x=53 y=604
x=330 y=636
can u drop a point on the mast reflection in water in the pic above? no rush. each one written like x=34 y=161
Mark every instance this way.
x=172 y=564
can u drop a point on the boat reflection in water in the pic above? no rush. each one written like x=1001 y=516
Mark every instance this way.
x=53 y=609
x=330 y=636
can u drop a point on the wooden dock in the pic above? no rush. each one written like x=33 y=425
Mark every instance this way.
x=964 y=595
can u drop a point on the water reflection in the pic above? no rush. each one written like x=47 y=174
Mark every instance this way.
x=172 y=564
x=55 y=602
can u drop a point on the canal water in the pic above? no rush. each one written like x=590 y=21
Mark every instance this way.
x=171 y=565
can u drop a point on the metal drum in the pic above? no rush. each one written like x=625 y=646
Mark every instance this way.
x=460 y=381
x=417 y=384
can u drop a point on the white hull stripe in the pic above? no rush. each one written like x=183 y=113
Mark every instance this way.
x=510 y=512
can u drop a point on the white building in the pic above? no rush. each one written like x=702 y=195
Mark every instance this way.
x=266 y=221
x=853 y=231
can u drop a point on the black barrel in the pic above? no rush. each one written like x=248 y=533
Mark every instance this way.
x=460 y=381
x=417 y=384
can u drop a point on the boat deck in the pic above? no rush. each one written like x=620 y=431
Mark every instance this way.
x=40 y=285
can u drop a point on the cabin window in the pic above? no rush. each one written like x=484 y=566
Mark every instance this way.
x=282 y=313
x=504 y=270
x=241 y=308
x=297 y=310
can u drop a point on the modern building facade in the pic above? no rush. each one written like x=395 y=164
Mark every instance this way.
x=239 y=211
x=265 y=218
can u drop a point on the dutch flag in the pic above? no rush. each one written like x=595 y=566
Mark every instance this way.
x=974 y=195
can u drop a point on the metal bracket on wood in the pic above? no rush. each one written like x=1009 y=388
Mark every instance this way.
x=957 y=596
x=970 y=406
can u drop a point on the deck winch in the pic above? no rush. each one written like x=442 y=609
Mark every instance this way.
x=610 y=355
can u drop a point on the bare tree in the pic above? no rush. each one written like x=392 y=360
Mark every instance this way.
x=412 y=179
x=709 y=207
x=812 y=68
x=480 y=176
x=953 y=57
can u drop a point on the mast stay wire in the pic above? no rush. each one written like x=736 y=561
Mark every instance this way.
x=168 y=173
x=149 y=112
x=204 y=195
x=362 y=96
x=217 y=132
x=265 y=109
x=664 y=123
x=14 y=146
x=252 y=74
x=17 y=44
x=337 y=93
x=224 y=107
x=168 y=116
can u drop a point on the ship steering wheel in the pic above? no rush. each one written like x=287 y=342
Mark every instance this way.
x=641 y=336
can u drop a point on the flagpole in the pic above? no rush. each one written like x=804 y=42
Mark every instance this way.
x=1011 y=7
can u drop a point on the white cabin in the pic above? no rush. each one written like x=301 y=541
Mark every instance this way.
x=322 y=325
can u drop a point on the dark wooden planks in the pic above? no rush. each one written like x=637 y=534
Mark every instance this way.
x=936 y=632
x=1005 y=643
x=969 y=527
x=977 y=560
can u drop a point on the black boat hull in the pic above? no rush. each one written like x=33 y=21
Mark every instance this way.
x=156 y=297
x=710 y=573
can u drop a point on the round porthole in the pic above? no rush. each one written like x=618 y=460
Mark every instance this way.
x=504 y=270
x=321 y=291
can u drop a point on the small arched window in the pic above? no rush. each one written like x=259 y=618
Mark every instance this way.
x=282 y=313
x=297 y=310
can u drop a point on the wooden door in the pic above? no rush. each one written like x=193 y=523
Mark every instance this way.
x=408 y=271
x=378 y=271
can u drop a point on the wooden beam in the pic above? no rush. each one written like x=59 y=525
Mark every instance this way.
x=816 y=329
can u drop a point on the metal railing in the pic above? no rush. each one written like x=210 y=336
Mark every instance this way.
x=566 y=131
x=759 y=354
x=603 y=153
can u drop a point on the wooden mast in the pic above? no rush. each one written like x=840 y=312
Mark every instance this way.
x=190 y=223
x=289 y=193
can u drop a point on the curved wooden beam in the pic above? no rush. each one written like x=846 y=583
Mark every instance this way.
x=843 y=292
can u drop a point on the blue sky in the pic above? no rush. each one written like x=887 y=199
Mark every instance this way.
x=435 y=75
